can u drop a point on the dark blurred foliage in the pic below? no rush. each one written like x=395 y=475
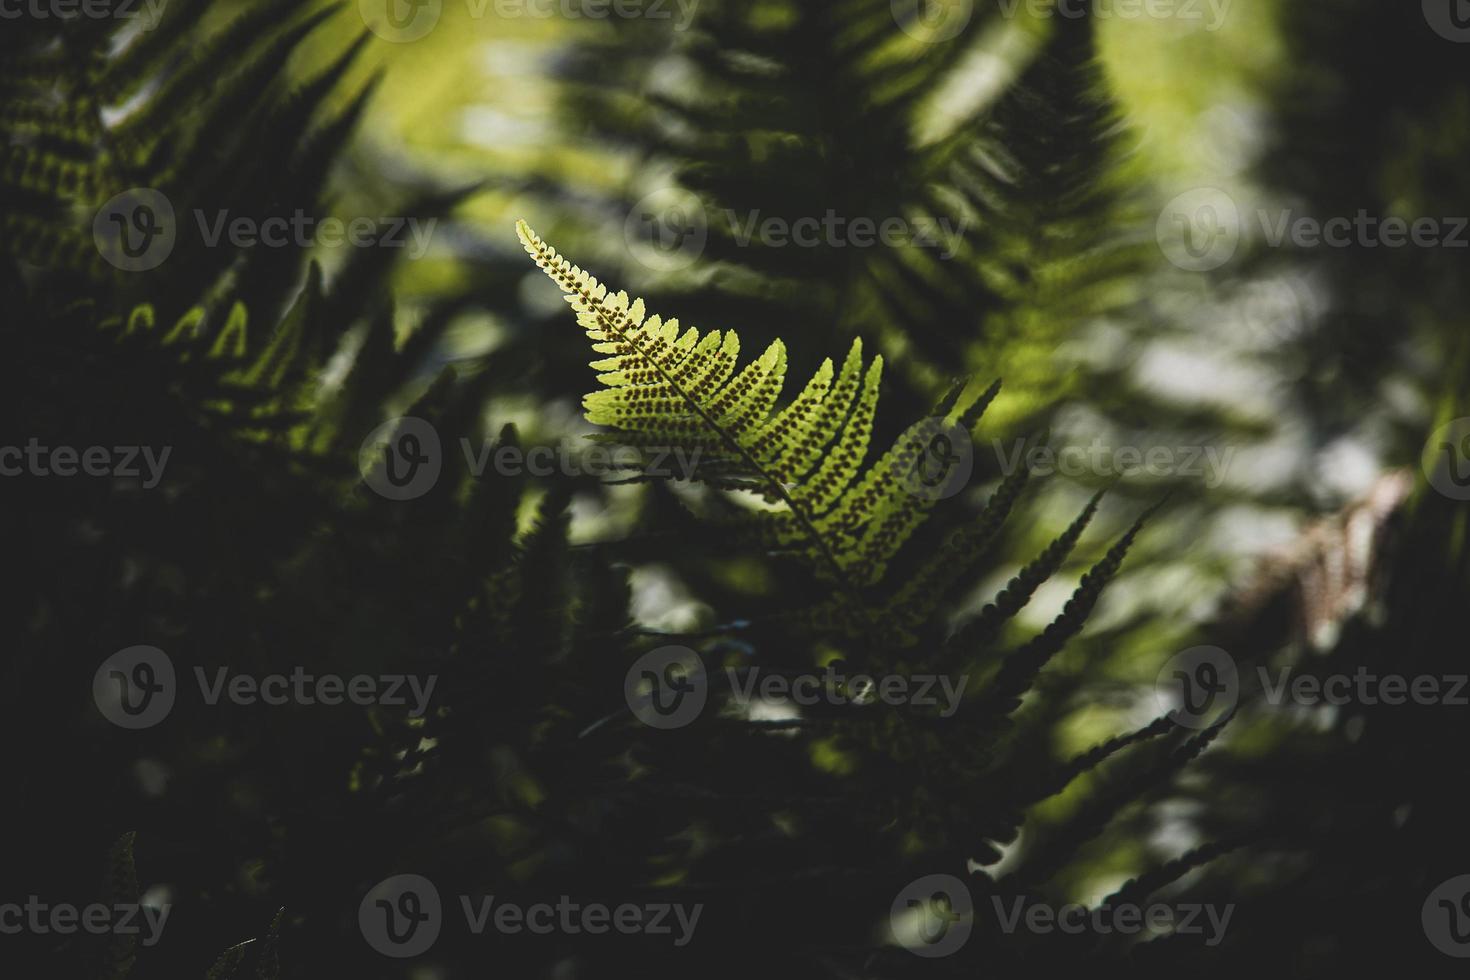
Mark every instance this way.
x=1358 y=813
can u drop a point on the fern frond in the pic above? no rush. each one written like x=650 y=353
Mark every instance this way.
x=1019 y=590
x=1098 y=812
x=959 y=554
x=674 y=387
x=1020 y=669
x=1140 y=888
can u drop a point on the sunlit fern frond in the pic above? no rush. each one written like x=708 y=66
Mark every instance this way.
x=669 y=387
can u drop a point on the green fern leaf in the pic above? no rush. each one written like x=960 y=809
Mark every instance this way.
x=667 y=386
